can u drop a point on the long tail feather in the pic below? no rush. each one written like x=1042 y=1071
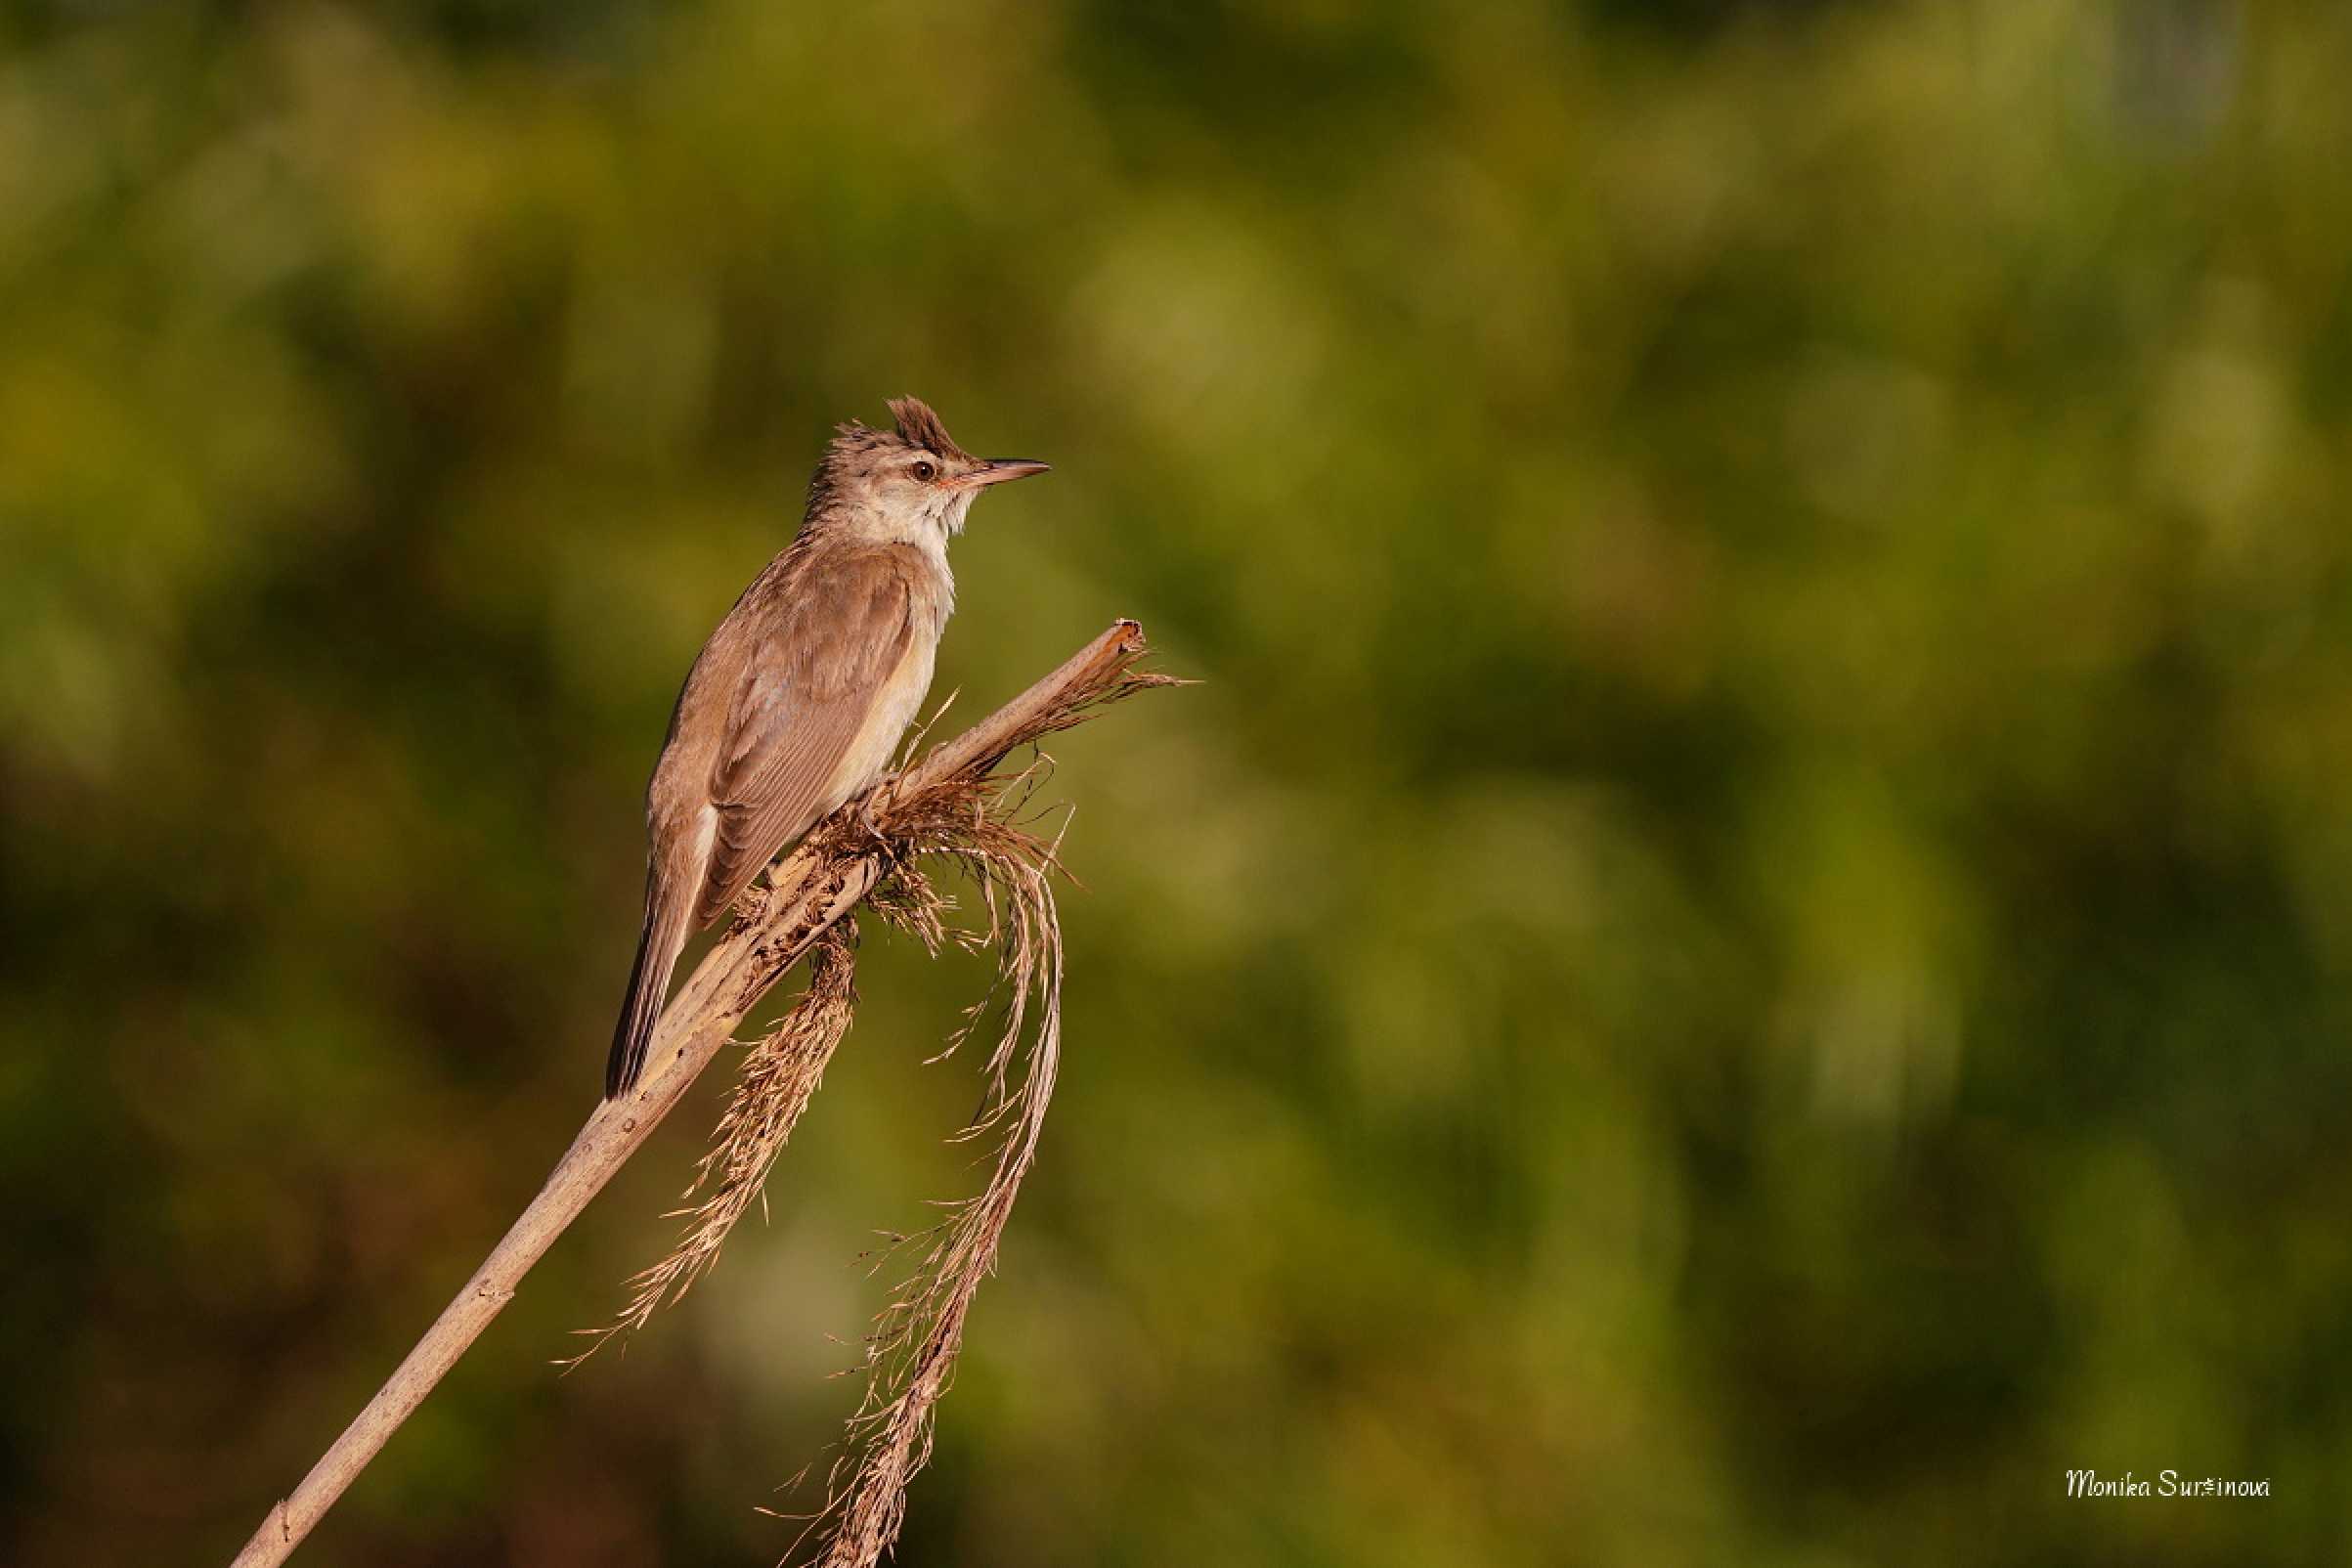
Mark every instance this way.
x=648 y=988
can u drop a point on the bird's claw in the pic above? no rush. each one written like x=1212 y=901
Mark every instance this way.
x=865 y=810
x=752 y=904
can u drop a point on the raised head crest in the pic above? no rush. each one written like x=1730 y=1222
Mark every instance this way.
x=921 y=427
x=917 y=427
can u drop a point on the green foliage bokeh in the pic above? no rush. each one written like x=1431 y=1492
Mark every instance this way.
x=1741 y=958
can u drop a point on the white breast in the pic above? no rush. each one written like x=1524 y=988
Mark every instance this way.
x=894 y=708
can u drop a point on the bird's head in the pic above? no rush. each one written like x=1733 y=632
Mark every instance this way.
x=910 y=485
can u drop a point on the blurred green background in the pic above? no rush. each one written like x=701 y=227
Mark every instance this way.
x=1743 y=957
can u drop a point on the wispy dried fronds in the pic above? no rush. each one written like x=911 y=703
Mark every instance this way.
x=910 y=1355
x=780 y=1077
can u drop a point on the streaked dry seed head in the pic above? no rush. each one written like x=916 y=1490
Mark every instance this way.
x=780 y=1075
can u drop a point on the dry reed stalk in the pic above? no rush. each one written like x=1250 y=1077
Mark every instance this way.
x=947 y=804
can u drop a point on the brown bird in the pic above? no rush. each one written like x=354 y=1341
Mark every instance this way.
x=799 y=699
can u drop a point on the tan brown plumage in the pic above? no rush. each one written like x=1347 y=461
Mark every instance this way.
x=797 y=701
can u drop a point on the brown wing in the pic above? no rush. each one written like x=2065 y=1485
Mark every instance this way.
x=806 y=694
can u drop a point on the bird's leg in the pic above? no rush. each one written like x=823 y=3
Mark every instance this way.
x=865 y=810
x=752 y=904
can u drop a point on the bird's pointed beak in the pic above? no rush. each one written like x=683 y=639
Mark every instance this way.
x=996 y=470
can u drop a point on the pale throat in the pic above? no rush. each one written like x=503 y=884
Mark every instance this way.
x=930 y=536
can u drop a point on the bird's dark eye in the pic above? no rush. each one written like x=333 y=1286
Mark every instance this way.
x=927 y=472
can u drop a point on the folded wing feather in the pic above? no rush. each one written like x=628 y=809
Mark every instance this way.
x=806 y=698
